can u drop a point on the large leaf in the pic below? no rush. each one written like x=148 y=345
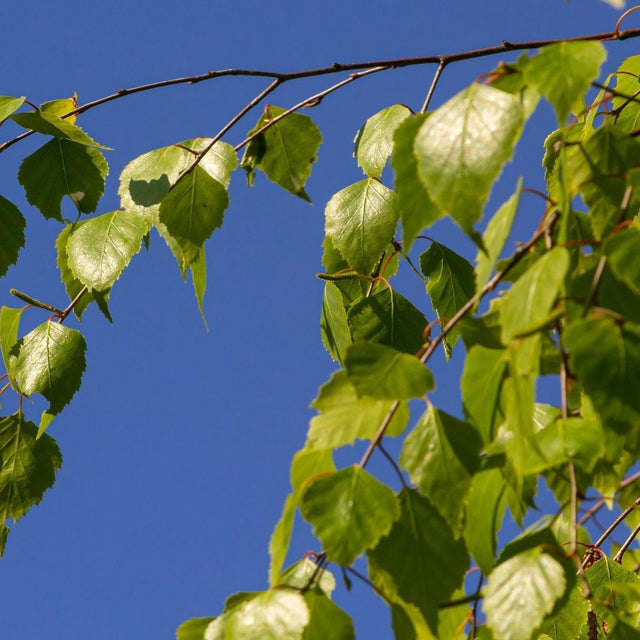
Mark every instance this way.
x=344 y=416
x=441 y=455
x=387 y=318
x=350 y=511
x=285 y=151
x=333 y=323
x=28 y=467
x=450 y=284
x=63 y=168
x=48 y=123
x=374 y=141
x=12 y=224
x=8 y=105
x=462 y=147
x=382 y=372
x=530 y=300
x=419 y=563
x=328 y=620
x=50 y=360
x=520 y=592
x=99 y=249
x=417 y=210
x=563 y=72
x=192 y=210
x=361 y=220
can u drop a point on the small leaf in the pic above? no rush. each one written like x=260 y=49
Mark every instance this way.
x=9 y=325
x=441 y=455
x=520 y=592
x=8 y=105
x=333 y=323
x=374 y=141
x=328 y=620
x=285 y=151
x=63 y=168
x=382 y=372
x=309 y=463
x=50 y=124
x=192 y=210
x=193 y=629
x=350 y=511
x=99 y=249
x=280 y=539
x=198 y=270
x=563 y=72
x=462 y=146
x=361 y=220
x=12 y=224
x=50 y=360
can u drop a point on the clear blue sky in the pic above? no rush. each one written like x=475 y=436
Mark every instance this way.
x=176 y=448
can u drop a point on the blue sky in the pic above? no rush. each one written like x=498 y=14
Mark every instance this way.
x=176 y=449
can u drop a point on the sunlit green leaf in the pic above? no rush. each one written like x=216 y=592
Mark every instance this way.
x=12 y=225
x=626 y=110
x=361 y=220
x=198 y=270
x=280 y=539
x=50 y=124
x=350 y=511
x=622 y=251
x=305 y=574
x=328 y=620
x=333 y=323
x=374 y=141
x=569 y=616
x=462 y=147
x=193 y=629
x=9 y=325
x=8 y=105
x=512 y=79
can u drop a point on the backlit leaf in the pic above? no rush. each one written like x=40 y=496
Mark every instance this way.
x=12 y=225
x=49 y=124
x=333 y=323
x=328 y=620
x=193 y=629
x=622 y=251
x=350 y=511
x=198 y=270
x=8 y=105
x=9 y=325
x=280 y=539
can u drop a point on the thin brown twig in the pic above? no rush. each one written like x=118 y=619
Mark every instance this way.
x=625 y=545
x=432 y=87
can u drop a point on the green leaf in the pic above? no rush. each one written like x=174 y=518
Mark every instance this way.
x=8 y=105
x=328 y=620
x=437 y=559
x=511 y=78
x=622 y=251
x=462 y=147
x=193 y=629
x=333 y=323
x=361 y=220
x=528 y=303
x=626 y=112
x=99 y=249
x=344 y=416
x=198 y=270
x=569 y=616
x=305 y=573
x=495 y=237
x=387 y=318
x=63 y=168
x=50 y=124
x=417 y=210
x=520 y=592
x=374 y=141
x=623 y=631
x=486 y=506
x=280 y=539
x=72 y=285
x=9 y=324
x=285 y=151
x=50 y=360
x=450 y=284
x=441 y=455
x=481 y=385
x=309 y=463
x=60 y=107
x=607 y=581
x=350 y=511
x=192 y=210
x=28 y=466
x=606 y=357
x=382 y=372
x=563 y=72
x=12 y=224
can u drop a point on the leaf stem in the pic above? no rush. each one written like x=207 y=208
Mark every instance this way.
x=436 y=76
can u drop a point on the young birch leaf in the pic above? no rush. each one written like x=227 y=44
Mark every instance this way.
x=361 y=220
x=12 y=224
x=495 y=237
x=349 y=511
x=193 y=629
x=9 y=324
x=8 y=105
x=333 y=323
x=462 y=147
x=280 y=539
x=50 y=124
x=622 y=251
x=387 y=318
x=50 y=360
x=72 y=285
x=63 y=168
x=529 y=301
x=437 y=560
x=192 y=210
x=285 y=151
x=99 y=249
x=626 y=112
x=345 y=417
x=450 y=284
x=198 y=270
x=382 y=372
x=520 y=592
x=327 y=619
x=61 y=106
x=441 y=455
x=417 y=210
x=374 y=141
x=563 y=72
x=28 y=466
